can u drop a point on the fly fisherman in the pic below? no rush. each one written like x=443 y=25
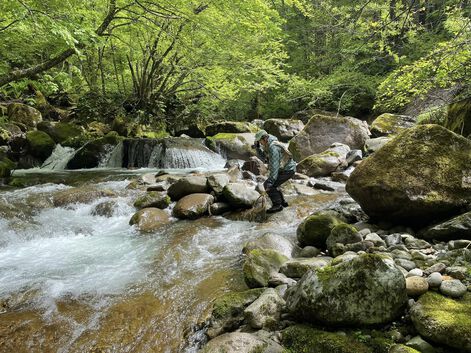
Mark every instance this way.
x=281 y=167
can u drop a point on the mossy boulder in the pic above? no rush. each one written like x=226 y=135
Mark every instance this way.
x=6 y=166
x=315 y=229
x=367 y=290
x=232 y=145
x=400 y=348
x=233 y=127
x=458 y=227
x=193 y=206
x=342 y=233
x=149 y=219
x=60 y=132
x=323 y=164
x=8 y=131
x=388 y=124
x=458 y=117
x=306 y=339
x=283 y=129
x=444 y=320
x=228 y=309
x=260 y=264
x=153 y=199
x=40 y=144
x=422 y=175
x=322 y=131
x=92 y=153
x=241 y=342
x=24 y=114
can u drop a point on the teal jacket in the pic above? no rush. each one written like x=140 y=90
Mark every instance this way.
x=275 y=156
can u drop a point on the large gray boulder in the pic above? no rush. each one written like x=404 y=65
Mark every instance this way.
x=444 y=320
x=232 y=145
x=275 y=242
x=240 y=195
x=188 y=185
x=149 y=219
x=367 y=290
x=232 y=127
x=322 y=131
x=456 y=228
x=387 y=124
x=422 y=175
x=315 y=229
x=265 y=311
x=260 y=265
x=283 y=129
x=193 y=206
x=323 y=164
x=240 y=342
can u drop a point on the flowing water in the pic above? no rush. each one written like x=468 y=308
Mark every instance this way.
x=72 y=280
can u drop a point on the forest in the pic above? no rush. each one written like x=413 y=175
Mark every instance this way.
x=171 y=62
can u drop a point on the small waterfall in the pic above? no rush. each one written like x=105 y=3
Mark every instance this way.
x=59 y=158
x=113 y=158
x=170 y=153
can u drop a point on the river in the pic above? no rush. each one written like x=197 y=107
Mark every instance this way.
x=72 y=280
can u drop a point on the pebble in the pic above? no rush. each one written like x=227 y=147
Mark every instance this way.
x=376 y=239
x=393 y=239
x=458 y=272
x=407 y=264
x=415 y=272
x=459 y=244
x=453 y=288
x=416 y=286
x=435 y=279
x=438 y=267
x=364 y=232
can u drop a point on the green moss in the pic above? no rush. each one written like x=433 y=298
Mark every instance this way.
x=234 y=303
x=315 y=229
x=223 y=136
x=17 y=183
x=64 y=131
x=400 y=348
x=305 y=339
x=259 y=264
x=6 y=166
x=40 y=144
x=458 y=117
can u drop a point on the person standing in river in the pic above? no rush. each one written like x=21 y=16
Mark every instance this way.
x=281 y=167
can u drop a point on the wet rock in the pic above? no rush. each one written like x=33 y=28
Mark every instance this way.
x=232 y=146
x=387 y=124
x=6 y=166
x=216 y=182
x=421 y=176
x=322 y=131
x=228 y=309
x=193 y=184
x=240 y=195
x=265 y=311
x=444 y=320
x=315 y=229
x=438 y=267
x=40 y=144
x=240 y=342
x=274 y=242
x=260 y=264
x=354 y=156
x=343 y=175
x=376 y=239
x=434 y=279
x=24 y=114
x=149 y=219
x=296 y=268
x=83 y=194
x=456 y=228
x=416 y=286
x=309 y=251
x=255 y=166
x=415 y=272
x=279 y=279
x=218 y=208
x=400 y=348
x=323 y=164
x=283 y=129
x=193 y=206
x=91 y=154
x=302 y=338
x=374 y=144
x=453 y=288
x=342 y=233
x=153 y=199
x=419 y=344
x=459 y=244
x=326 y=184
x=375 y=286
x=458 y=272
x=104 y=209
x=406 y=264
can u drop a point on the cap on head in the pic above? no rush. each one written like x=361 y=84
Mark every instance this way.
x=260 y=134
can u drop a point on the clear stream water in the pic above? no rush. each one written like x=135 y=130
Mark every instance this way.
x=74 y=281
